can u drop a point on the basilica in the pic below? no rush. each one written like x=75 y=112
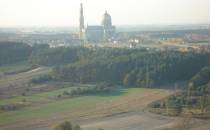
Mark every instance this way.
x=97 y=33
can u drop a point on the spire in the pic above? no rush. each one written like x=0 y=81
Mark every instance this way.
x=106 y=12
x=82 y=26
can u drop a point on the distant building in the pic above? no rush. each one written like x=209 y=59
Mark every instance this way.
x=109 y=29
x=94 y=33
x=97 y=33
x=82 y=24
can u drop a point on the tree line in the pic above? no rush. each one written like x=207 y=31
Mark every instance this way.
x=12 y=52
x=129 y=67
x=138 y=68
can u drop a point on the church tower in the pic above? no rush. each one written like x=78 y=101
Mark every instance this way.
x=109 y=29
x=82 y=26
x=107 y=20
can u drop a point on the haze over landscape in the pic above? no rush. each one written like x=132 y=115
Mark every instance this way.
x=104 y=65
x=124 y=12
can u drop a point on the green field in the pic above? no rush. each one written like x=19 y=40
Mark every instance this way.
x=25 y=76
x=15 y=68
x=58 y=106
x=40 y=97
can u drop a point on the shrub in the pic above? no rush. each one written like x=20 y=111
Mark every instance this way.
x=65 y=93
x=87 y=90
x=77 y=127
x=23 y=94
x=41 y=79
x=63 y=126
x=66 y=126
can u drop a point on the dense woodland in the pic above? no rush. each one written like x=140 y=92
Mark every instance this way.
x=138 y=68
x=13 y=52
x=128 y=67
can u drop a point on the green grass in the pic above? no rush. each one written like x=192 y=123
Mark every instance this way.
x=26 y=76
x=45 y=96
x=59 y=106
x=17 y=67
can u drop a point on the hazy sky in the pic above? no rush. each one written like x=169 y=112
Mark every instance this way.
x=124 y=12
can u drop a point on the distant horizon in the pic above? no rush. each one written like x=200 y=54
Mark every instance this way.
x=119 y=28
x=27 y=13
x=118 y=25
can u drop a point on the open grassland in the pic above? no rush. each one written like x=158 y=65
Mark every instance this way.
x=15 y=84
x=85 y=107
x=15 y=68
x=24 y=76
x=121 y=109
x=42 y=97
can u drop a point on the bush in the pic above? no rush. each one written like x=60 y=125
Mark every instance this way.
x=77 y=127
x=155 y=105
x=87 y=90
x=13 y=107
x=65 y=93
x=41 y=79
x=63 y=126
x=66 y=126
x=23 y=94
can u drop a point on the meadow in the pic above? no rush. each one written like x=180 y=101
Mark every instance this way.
x=15 y=68
x=45 y=106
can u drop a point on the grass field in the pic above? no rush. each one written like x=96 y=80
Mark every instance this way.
x=25 y=75
x=56 y=106
x=40 y=97
x=15 y=68
x=78 y=106
x=45 y=107
x=15 y=84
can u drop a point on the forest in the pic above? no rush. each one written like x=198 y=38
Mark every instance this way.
x=128 y=67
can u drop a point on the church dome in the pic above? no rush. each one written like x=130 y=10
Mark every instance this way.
x=107 y=20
